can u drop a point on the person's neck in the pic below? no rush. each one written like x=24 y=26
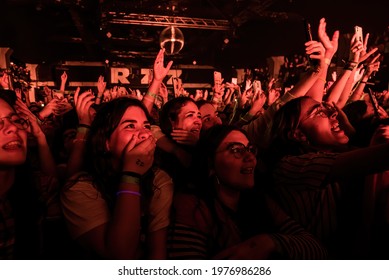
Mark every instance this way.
x=228 y=197
x=7 y=178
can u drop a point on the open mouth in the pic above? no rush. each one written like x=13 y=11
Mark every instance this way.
x=336 y=127
x=248 y=170
x=13 y=145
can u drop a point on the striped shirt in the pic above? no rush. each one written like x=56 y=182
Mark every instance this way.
x=192 y=234
x=306 y=193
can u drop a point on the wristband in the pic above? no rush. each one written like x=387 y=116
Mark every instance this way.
x=130 y=179
x=327 y=61
x=151 y=94
x=82 y=130
x=350 y=65
x=132 y=174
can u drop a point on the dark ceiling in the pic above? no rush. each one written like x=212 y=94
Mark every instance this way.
x=62 y=30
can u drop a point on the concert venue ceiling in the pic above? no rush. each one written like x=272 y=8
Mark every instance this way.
x=217 y=32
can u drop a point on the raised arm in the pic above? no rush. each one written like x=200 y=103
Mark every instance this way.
x=331 y=46
x=350 y=68
x=347 y=90
x=159 y=73
x=64 y=78
x=85 y=115
x=47 y=163
x=372 y=67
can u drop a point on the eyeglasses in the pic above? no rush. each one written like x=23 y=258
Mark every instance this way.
x=322 y=110
x=239 y=150
x=17 y=121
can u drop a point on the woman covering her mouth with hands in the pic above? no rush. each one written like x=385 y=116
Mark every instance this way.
x=123 y=199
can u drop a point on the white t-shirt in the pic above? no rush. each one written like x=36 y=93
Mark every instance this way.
x=84 y=207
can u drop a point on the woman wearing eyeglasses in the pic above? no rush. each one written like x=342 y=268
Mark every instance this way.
x=318 y=179
x=24 y=194
x=224 y=218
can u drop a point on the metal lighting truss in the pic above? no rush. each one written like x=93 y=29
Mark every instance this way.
x=160 y=20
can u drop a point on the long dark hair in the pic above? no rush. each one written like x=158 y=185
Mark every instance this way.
x=27 y=208
x=284 y=124
x=205 y=186
x=99 y=159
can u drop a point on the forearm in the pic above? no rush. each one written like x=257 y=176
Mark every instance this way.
x=339 y=85
x=76 y=158
x=317 y=90
x=346 y=90
x=306 y=82
x=62 y=87
x=362 y=161
x=358 y=92
x=152 y=93
x=122 y=238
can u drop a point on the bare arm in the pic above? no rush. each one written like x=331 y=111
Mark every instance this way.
x=331 y=46
x=159 y=74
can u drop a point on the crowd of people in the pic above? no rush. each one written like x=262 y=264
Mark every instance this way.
x=267 y=169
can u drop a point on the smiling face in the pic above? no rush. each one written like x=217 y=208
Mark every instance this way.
x=320 y=126
x=233 y=165
x=133 y=121
x=13 y=141
x=209 y=116
x=189 y=118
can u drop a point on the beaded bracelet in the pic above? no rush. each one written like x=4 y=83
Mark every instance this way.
x=128 y=192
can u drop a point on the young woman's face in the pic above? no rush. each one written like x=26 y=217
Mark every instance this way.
x=209 y=116
x=133 y=121
x=234 y=164
x=13 y=140
x=320 y=125
x=189 y=118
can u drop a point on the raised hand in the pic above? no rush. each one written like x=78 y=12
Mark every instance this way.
x=64 y=77
x=83 y=105
x=315 y=50
x=330 y=45
x=373 y=66
x=364 y=54
x=34 y=128
x=4 y=81
x=258 y=101
x=160 y=71
x=356 y=48
x=101 y=85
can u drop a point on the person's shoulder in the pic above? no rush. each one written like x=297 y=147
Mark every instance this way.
x=79 y=180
